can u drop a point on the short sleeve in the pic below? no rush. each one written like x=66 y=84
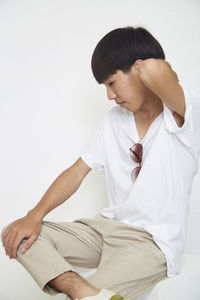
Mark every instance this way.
x=94 y=154
x=191 y=126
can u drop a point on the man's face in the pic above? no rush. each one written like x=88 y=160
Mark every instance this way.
x=127 y=88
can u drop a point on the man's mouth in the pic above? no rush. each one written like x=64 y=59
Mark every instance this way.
x=121 y=103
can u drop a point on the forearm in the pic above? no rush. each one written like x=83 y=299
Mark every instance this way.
x=29 y=226
x=59 y=191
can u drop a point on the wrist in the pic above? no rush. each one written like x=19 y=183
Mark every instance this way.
x=38 y=216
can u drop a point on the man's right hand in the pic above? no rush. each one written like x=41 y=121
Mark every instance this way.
x=25 y=228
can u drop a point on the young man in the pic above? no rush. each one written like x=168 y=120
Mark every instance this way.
x=148 y=148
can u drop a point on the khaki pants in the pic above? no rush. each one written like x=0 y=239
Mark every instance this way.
x=127 y=259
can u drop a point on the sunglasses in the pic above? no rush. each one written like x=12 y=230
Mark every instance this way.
x=136 y=152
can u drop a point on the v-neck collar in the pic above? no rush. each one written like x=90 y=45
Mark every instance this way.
x=135 y=136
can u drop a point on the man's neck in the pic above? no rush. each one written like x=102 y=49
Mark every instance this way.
x=150 y=110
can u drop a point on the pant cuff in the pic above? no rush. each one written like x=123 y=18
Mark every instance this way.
x=47 y=288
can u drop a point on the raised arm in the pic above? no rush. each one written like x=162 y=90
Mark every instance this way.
x=159 y=77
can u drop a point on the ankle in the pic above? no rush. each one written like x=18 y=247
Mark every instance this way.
x=73 y=285
x=86 y=291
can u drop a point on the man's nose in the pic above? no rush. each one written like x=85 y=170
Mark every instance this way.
x=110 y=94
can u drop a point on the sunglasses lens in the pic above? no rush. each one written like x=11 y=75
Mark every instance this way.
x=135 y=173
x=136 y=153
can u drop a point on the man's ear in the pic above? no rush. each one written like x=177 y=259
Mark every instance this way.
x=138 y=62
x=135 y=66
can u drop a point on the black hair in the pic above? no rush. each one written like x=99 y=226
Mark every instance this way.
x=120 y=48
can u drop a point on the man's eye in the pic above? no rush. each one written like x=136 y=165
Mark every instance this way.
x=110 y=83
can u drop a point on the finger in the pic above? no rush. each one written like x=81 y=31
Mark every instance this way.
x=6 y=230
x=8 y=244
x=4 y=240
x=16 y=242
x=28 y=243
x=5 y=235
x=10 y=241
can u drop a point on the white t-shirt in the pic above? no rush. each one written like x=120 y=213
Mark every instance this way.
x=158 y=201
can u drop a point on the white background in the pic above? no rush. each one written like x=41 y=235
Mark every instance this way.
x=51 y=105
